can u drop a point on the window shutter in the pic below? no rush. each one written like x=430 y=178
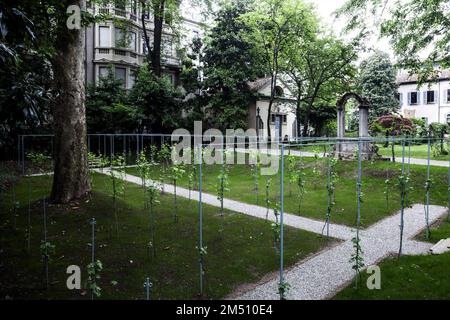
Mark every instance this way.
x=435 y=96
x=445 y=95
x=409 y=98
x=400 y=98
x=425 y=97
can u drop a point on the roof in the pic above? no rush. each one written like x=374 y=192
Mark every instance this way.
x=404 y=77
x=258 y=83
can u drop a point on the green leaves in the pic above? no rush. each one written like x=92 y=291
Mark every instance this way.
x=417 y=29
x=377 y=81
x=47 y=250
x=93 y=270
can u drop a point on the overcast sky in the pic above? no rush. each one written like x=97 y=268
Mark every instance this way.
x=326 y=8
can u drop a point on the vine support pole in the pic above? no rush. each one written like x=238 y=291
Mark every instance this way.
x=427 y=206
x=93 y=223
x=358 y=211
x=45 y=243
x=402 y=211
x=200 y=216
x=329 y=200
x=448 y=180
x=281 y=221
x=148 y=287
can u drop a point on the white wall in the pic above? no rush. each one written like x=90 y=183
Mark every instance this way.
x=283 y=108
x=434 y=112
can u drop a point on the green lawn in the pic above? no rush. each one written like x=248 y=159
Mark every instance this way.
x=417 y=151
x=242 y=253
x=410 y=277
x=314 y=203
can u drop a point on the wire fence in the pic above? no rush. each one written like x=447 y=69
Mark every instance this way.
x=358 y=152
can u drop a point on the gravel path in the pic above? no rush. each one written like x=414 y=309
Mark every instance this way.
x=326 y=273
x=323 y=275
x=416 y=161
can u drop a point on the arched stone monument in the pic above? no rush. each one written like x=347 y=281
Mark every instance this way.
x=346 y=149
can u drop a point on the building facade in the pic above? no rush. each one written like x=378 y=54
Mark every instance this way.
x=282 y=112
x=430 y=102
x=119 y=42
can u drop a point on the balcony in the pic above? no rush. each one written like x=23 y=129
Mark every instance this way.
x=117 y=54
x=131 y=57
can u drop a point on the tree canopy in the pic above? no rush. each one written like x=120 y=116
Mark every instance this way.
x=419 y=30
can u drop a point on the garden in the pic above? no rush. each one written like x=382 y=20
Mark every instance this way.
x=145 y=232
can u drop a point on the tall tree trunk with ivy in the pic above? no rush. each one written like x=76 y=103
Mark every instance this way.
x=154 y=53
x=71 y=170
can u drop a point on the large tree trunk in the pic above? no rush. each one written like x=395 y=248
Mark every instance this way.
x=71 y=171
x=157 y=38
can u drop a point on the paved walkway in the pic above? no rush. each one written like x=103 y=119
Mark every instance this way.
x=326 y=273
x=415 y=161
x=329 y=270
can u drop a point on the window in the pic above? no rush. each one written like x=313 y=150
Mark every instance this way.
x=132 y=78
x=133 y=7
x=102 y=72
x=132 y=45
x=400 y=98
x=283 y=117
x=119 y=38
x=448 y=119
x=104 y=37
x=119 y=4
x=448 y=95
x=278 y=91
x=430 y=97
x=120 y=74
x=413 y=98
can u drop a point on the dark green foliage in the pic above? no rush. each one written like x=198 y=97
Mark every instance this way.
x=377 y=81
x=230 y=62
x=157 y=101
x=25 y=75
x=107 y=108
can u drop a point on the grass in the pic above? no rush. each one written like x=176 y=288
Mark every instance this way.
x=417 y=151
x=242 y=254
x=314 y=204
x=410 y=277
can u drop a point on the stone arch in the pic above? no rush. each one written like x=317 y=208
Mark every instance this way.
x=363 y=114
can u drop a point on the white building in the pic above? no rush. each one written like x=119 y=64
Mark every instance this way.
x=430 y=102
x=105 y=43
x=282 y=110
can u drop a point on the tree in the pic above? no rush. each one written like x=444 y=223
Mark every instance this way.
x=320 y=70
x=165 y=13
x=419 y=30
x=63 y=49
x=378 y=85
x=156 y=101
x=25 y=77
x=71 y=172
x=275 y=25
x=392 y=125
x=108 y=108
x=230 y=62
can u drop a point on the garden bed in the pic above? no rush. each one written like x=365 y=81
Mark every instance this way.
x=242 y=253
x=314 y=201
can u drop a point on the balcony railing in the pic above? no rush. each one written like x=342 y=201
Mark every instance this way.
x=134 y=57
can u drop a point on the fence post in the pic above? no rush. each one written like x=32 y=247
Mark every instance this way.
x=402 y=211
x=200 y=216
x=281 y=219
